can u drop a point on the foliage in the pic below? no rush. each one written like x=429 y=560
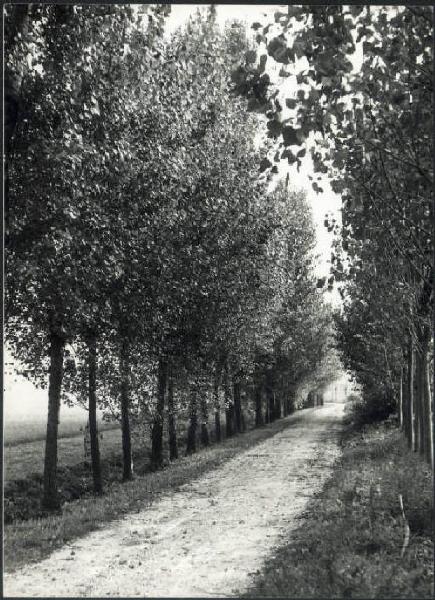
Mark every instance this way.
x=362 y=106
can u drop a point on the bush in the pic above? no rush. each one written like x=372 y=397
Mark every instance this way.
x=372 y=407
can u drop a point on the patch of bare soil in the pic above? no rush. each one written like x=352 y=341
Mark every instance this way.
x=209 y=537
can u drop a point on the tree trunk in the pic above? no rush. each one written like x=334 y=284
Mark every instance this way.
x=270 y=396
x=127 y=474
x=217 y=426
x=237 y=406
x=428 y=410
x=92 y=400
x=411 y=419
x=172 y=430
x=217 y=412
x=157 y=430
x=400 y=406
x=243 y=422
x=278 y=408
x=284 y=407
x=266 y=407
x=205 y=438
x=258 y=404
x=193 y=423
x=419 y=401
x=50 y=498
x=229 y=407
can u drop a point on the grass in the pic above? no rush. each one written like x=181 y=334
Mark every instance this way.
x=34 y=539
x=17 y=432
x=349 y=545
x=27 y=458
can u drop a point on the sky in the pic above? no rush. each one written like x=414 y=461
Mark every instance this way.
x=21 y=398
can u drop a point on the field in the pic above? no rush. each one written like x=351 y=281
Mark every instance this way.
x=22 y=460
x=21 y=431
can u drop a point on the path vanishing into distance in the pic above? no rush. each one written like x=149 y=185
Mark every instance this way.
x=207 y=538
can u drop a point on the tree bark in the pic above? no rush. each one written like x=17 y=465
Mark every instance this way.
x=205 y=438
x=217 y=412
x=193 y=423
x=270 y=396
x=258 y=404
x=127 y=474
x=50 y=498
x=237 y=406
x=419 y=401
x=229 y=407
x=92 y=401
x=400 y=403
x=428 y=411
x=172 y=430
x=157 y=430
x=278 y=407
x=411 y=419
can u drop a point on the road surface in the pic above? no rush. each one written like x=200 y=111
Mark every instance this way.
x=209 y=537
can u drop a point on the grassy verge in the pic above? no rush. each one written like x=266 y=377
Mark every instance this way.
x=350 y=543
x=34 y=539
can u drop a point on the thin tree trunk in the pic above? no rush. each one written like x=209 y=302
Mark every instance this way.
x=278 y=407
x=428 y=411
x=400 y=406
x=406 y=411
x=420 y=375
x=284 y=406
x=193 y=423
x=50 y=498
x=217 y=412
x=92 y=400
x=411 y=421
x=266 y=404
x=270 y=396
x=127 y=474
x=157 y=430
x=205 y=438
x=172 y=430
x=217 y=426
x=258 y=404
x=237 y=406
x=229 y=407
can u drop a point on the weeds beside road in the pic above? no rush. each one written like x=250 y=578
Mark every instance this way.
x=351 y=541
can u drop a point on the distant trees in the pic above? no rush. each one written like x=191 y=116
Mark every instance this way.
x=157 y=253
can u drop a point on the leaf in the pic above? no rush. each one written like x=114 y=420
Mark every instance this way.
x=251 y=56
x=290 y=136
x=321 y=282
x=274 y=128
x=290 y=103
x=265 y=164
x=288 y=154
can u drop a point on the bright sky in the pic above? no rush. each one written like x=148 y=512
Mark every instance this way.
x=21 y=398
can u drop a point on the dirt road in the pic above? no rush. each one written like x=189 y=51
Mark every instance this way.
x=207 y=538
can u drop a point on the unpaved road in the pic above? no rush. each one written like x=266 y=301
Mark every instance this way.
x=207 y=538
